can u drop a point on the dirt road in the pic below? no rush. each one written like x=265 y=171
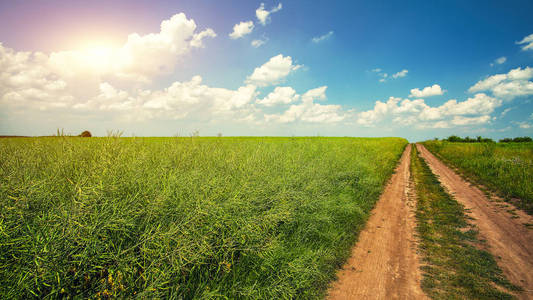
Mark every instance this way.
x=510 y=242
x=384 y=263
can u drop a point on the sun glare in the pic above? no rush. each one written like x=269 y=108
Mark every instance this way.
x=98 y=56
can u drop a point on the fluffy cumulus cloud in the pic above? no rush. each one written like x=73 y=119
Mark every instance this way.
x=182 y=98
x=309 y=111
x=197 y=39
x=428 y=91
x=263 y=15
x=405 y=112
x=318 y=39
x=280 y=95
x=507 y=86
x=142 y=56
x=273 y=71
x=241 y=29
x=527 y=42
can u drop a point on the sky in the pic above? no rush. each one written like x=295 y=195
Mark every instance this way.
x=414 y=69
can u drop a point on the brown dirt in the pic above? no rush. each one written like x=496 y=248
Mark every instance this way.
x=509 y=241
x=384 y=263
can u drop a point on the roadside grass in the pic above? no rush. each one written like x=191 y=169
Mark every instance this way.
x=455 y=266
x=506 y=168
x=184 y=218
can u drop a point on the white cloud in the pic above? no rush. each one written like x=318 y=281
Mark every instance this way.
x=527 y=42
x=242 y=29
x=264 y=15
x=508 y=86
x=156 y=54
x=318 y=93
x=479 y=104
x=280 y=95
x=384 y=76
x=499 y=61
x=428 y=91
x=197 y=39
x=308 y=111
x=318 y=39
x=505 y=111
x=520 y=74
x=452 y=113
x=273 y=71
x=488 y=83
x=387 y=109
x=523 y=125
x=458 y=121
x=258 y=43
x=400 y=74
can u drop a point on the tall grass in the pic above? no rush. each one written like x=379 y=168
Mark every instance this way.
x=186 y=218
x=504 y=167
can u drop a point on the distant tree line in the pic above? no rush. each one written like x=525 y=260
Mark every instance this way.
x=479 y=139
x=458 y=139
x=523 y=139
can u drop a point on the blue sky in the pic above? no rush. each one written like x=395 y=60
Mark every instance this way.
x=75 y=65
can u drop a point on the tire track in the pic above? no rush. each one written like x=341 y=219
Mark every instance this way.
x=509 y=241
x=384 y=263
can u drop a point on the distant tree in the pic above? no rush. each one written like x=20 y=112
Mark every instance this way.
x=86 y=134
x=454 y=138
x=523 y=139
x=457 y=139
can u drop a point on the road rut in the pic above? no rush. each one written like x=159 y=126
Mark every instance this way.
x=384 y=263
x=509 y=240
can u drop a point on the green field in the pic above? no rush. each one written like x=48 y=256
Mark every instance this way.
x=504 y=167
x=267 y=218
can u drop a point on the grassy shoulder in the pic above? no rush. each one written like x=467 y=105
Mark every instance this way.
x=455 y=266
x=506 y=168
x=191 y=218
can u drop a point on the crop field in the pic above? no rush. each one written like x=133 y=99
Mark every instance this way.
x=505 y=167
x=185 y=218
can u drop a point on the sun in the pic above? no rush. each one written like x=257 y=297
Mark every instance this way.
x=98 y=56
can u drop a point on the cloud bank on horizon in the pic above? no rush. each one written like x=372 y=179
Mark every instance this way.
x=120 y=84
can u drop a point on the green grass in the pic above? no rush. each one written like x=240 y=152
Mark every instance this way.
x=504 y=167
x=455 y=266
x=269 y=218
